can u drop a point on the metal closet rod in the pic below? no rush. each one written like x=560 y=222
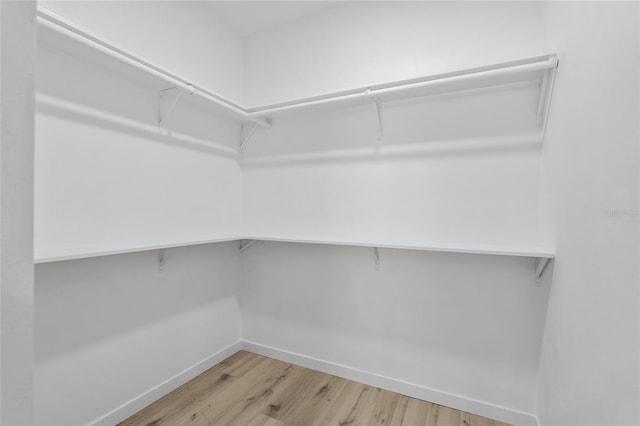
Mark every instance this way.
x=372 y=92
x=256 y=115
x=58 y=24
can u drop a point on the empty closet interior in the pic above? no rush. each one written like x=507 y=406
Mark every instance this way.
x=392 y=192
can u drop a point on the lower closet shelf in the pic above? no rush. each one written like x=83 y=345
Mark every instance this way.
x=50 y=257
x=519 y=251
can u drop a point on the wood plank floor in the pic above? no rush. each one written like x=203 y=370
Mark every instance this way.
x=253 y=390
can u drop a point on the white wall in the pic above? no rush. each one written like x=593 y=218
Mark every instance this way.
x=111 y=328
x=590 y=358
x=476 y=194
x=363 y=43
x=460 y=169
x=17 y=90
x=185 y=38
x=455 y=169
x=463 y=324
x=107 y=178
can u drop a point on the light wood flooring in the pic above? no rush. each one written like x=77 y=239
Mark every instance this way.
x=253 y=390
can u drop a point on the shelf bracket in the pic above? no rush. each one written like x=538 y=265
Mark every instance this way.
x=376 y=255
x=262 y=123
x=246 y=139
x=165 y=111
x=541 y=99
x=541 y=265
x=247 y=246
x=376 y=105
x=162 y=260
x=546 y=89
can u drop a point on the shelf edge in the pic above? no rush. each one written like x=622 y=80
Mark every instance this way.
x=533 y=252
x=86 y=255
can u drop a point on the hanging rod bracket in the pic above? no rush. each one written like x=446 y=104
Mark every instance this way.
x=546 y=90
x=165 y=111
x=376 y=104
x=544 y=84
x=249 y=135
x=247 y=246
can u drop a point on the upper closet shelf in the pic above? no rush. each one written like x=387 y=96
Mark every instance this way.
x=49 y=21
x=540 y=69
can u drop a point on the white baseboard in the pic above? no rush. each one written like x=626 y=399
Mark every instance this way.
x=138 y=403
x=458 y=402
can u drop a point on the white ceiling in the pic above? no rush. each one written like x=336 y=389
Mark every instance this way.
x=249 y=17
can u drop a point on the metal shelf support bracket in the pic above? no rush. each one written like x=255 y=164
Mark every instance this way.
x=263 y=123
x=162 y=260
x=164 y=111
x=376 y=105
x=541 y=265
x=247 y=246
x=546 y=90
x=376 y=255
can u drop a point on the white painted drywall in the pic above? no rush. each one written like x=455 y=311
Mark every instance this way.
x=363 y=43
x=185 y=38
x=17 y=91
x=460 y=196
x=589 y=373
x=111 y=328
x=249 y=17
x=459 y=169
x=464 y=324
x=108 y=178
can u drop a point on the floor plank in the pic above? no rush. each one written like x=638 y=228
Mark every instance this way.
x=249 y=389
x=334 y=413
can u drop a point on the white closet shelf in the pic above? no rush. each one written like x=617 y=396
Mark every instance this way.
x=48 y=257
x=540 y=69
x=529 y=69
x=532 y=252
x=70 y=31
